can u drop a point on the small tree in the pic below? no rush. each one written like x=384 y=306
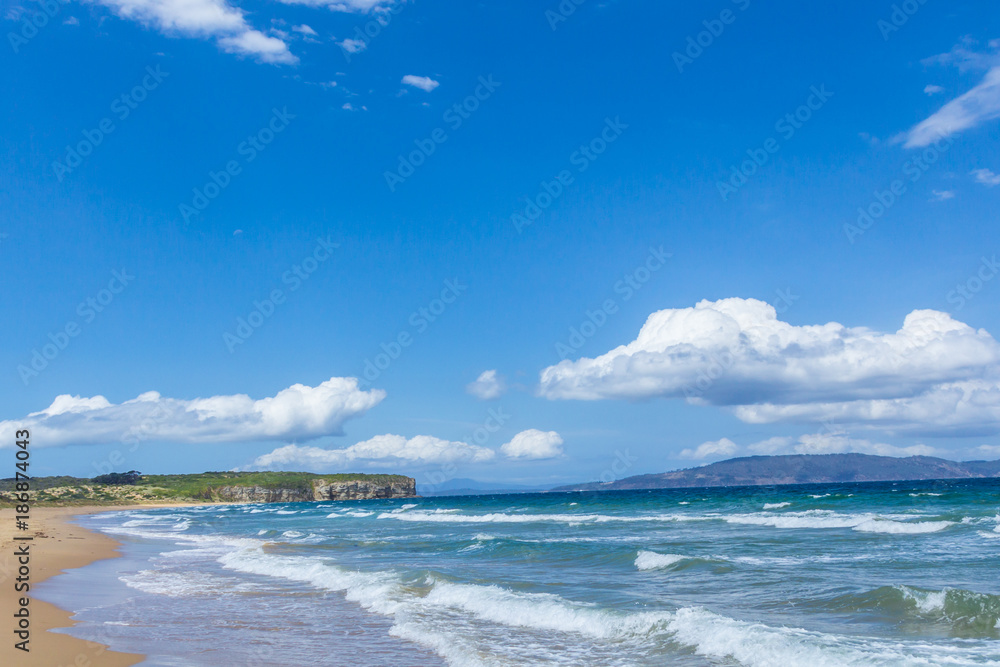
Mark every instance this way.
x=129 y=478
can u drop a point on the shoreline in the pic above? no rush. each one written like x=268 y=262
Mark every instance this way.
x=58 y=545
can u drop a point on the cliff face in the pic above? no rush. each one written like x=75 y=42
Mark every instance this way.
x=404 y=487
x=360 y=489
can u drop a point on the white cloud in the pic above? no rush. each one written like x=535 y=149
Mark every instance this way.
x=987 y=451
x=350 y=6
x=711 y=449
x=205 y=19
x=968 y=408
x=834 y=443
x=533 y=444
x=943 y=195
x=931 y=89
x=390 y=449
x=305 y=30
x=296 y=413
x=353 y=45
x=977 y=106
x=424 y=83
x=935 y=373
x=487 y=386
x=72 y=20
x=986 y=177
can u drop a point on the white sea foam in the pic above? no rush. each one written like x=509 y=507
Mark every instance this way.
x=650 y=560
x=183 y=584
x=449 y=516
x=917 y=495
x=900 y=527
x=775 y=506
x=359 y=514
x=867 y=523
x=286 y=512
x=759 y=645
x=926 y=601
x=822 y=495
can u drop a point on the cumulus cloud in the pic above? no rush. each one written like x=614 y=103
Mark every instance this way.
x=424 y=83
x=973 y=108
x=205 y=19
x=487 y=386
x=968 y=408
x=389 y=449
x=305 y=30
x=711 y=449
x=533 y=444
x=934 y=373
x=296 y=413
x=986 y=177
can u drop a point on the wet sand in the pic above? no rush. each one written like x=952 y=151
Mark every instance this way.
x=57 y=545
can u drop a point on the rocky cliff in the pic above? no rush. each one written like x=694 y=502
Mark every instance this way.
x=322 y=489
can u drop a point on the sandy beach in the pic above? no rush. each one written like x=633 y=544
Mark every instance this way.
x=57 y=545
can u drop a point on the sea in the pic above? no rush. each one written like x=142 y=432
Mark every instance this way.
x=904 y=573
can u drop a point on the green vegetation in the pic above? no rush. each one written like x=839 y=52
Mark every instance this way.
x=130 y=487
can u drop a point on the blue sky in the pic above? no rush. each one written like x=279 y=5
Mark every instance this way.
x=797 y=201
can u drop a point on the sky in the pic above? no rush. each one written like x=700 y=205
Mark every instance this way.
x=532 y=243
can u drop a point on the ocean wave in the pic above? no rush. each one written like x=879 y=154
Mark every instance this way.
x=760 y=645
x=650 y=560
x=866 y=523
x=970 y=613
x=775 y=506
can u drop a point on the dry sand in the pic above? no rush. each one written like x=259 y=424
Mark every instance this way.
x=57 y=545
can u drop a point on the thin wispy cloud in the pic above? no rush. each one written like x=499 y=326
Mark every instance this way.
x=424 y=83
x=973 y=108
x=214 y=19
x=986 y=177
x=942 y=195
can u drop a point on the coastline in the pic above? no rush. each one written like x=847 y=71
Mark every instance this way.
x=58 y=545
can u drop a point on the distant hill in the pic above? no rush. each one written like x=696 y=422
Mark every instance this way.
x=801 y=469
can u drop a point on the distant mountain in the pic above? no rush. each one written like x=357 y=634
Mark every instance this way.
x=471 y=487
x=801 y=469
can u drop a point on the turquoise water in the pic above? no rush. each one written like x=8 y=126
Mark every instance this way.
x=901 y=573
